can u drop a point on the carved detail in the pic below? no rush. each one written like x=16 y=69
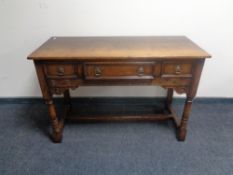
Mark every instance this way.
x=60 y=90
x=179 y=89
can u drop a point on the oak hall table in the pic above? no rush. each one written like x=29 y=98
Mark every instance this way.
x=173 y=62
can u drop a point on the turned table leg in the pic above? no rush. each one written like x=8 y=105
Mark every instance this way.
x=184 y=121
x=56 y=126
x=189 y=99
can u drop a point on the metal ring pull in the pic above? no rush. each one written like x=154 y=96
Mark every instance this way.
x=60 y=71
x=98 y=71
x=140 y=71
x=178 y=69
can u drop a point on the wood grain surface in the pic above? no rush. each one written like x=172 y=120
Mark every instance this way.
x=114 y=47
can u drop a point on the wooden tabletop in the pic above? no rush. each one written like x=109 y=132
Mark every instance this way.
x=118 y=47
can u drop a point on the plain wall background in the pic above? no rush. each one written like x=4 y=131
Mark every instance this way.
x=25 y=24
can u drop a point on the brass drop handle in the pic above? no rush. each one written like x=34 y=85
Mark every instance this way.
x=178 y=69
x=60 y=71
x=98 y=71
x=140 y=71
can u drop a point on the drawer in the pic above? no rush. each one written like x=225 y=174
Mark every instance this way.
x=61 y=70
x=119 y=70
x=176 y=69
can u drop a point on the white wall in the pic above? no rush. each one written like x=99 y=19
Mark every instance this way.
x=25 y=24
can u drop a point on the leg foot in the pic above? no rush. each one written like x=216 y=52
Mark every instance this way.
x=181 y=134
x=57 y=137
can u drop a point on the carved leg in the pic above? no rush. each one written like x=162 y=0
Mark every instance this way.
x=190 y=96
x=57 y=130
x=57 y=125
x=184 y=121
x=169 y=97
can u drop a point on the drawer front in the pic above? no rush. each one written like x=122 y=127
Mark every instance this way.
x=176 y=69
x=61 y=70
x=119 y=70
